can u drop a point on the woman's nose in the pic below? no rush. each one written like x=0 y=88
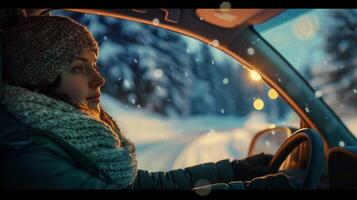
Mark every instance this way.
x=97 y=81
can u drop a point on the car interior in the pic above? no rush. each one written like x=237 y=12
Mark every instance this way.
x=302 y=152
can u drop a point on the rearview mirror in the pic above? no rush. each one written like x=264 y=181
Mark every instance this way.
x=269 y=140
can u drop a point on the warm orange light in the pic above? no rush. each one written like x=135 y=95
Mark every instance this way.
x=254 y=75
x=258 y=104
x=273 y=94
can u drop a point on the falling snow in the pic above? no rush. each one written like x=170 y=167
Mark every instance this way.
x=215 y=43
x=158 y=73
x=318 y=94
x=250 y=51
x=222 y=110
x=156 y=21
x=126 y=84
x=341 y=143
x=307 y=109
x=354 y=91
x=135 y=60
x=225 y=81
x=212 y=62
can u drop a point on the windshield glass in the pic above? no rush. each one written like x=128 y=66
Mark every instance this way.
x=182 y=102
x=321 y=45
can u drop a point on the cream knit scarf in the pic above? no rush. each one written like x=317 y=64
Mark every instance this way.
x=110 y=150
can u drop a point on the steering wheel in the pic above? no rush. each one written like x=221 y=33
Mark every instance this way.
x=316 y=155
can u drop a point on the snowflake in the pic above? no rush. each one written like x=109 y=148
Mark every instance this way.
x=126 y=84
x=318 y=94
x=307 y=109
x=215 y=43
x=222 y=110
x=250 y=51
x=158 y=73
x=225 y=81
x=341 y=143
x=156 y=21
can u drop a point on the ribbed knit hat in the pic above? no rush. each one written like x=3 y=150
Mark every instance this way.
x=40 y=48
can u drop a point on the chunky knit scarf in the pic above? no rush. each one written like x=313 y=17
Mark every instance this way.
x=108 y=148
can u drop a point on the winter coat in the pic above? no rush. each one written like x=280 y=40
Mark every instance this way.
x=35 y=159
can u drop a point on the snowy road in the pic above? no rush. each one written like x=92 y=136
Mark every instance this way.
x=161 y=155
x=164 y=144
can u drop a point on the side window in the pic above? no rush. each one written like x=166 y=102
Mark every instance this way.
x=320 y=44
x=182 y=102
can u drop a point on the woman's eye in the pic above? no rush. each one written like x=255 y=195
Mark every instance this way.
x=77 y=69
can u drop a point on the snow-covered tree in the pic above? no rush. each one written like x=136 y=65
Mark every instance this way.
x=168 y=73
x=337 y=76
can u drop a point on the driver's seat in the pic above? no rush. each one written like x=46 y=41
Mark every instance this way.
x=342 y=167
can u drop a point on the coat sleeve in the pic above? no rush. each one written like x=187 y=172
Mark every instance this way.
x=41 y=170
x=187 y=178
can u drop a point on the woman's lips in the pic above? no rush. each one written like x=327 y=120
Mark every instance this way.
x=95 y=99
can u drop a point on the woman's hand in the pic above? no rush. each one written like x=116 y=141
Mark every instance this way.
x=251 y=167
x=278 y=181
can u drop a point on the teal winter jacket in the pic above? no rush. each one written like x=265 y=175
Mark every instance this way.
x=34 y=159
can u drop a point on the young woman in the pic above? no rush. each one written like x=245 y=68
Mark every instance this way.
x=56 y=135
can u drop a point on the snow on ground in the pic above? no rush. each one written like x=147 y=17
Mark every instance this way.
x=169 y=143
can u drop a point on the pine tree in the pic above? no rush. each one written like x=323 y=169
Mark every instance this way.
x=341 y=47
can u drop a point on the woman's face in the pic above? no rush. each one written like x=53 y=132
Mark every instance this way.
x=82 y=81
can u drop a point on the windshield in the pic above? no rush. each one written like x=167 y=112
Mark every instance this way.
x=182 y=102
x=321 y=44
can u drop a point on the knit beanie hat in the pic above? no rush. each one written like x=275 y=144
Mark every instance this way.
x=40 y=48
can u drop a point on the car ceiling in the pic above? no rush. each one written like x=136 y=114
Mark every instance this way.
x=227 y=18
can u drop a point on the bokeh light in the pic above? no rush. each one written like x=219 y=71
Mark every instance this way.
x=258 y=104
x=254 y=75
x=273 y=94
x=306 y=27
